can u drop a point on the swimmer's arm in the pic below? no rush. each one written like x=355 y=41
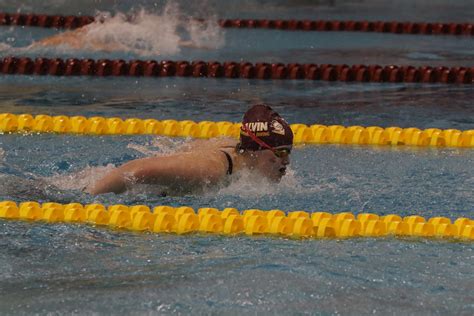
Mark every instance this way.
x=77 y=39
x=72 y=38
x=185 y=169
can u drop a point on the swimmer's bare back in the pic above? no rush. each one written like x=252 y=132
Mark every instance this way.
x=180 y=170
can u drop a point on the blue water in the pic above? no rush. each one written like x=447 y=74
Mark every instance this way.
x=61 y=269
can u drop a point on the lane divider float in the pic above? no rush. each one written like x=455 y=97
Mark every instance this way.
x=230 y=221
x=231 y=69
x=303 y=134
x=397 y=27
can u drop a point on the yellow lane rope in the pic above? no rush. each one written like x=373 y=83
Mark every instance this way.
x=304 y=134
x=230 y=221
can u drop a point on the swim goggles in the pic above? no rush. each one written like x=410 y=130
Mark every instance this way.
x=281 y=152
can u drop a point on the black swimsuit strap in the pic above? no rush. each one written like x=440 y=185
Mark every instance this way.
x=229 y=160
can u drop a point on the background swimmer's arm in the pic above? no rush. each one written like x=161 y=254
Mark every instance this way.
x=74 y=39
x=186 y=169
x=77 y=39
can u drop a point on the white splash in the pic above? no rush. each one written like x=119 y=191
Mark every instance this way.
x=80 y=179
x=206 y=34
x=4 y=47
x=141 y=33
x=250 y=185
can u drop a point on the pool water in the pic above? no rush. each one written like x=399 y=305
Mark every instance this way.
x=57 y=269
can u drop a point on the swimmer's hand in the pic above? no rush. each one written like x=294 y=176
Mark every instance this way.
x=184 y=170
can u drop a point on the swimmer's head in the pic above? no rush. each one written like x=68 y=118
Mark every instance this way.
x=267 y=139
x=263 y=128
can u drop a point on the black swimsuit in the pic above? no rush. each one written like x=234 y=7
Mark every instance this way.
x=229 y=160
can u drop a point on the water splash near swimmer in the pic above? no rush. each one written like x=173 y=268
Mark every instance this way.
x=246 y=182
x=140 y=32
x=18 y=184
x=5 y=47
x=80 y=179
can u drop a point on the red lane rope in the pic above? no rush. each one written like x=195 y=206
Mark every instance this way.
x=43 y=20
x=245 y=70
x=356 y=26
x=425 y=28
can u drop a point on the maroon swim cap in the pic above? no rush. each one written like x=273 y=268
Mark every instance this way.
x=267 y=125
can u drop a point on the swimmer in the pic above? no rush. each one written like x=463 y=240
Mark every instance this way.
x=105 y=35
x=80 y=39
x=265 y=144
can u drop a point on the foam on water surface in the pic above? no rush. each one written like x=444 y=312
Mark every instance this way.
x=140 y=32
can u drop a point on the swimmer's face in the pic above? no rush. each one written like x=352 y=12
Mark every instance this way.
x=269 y=164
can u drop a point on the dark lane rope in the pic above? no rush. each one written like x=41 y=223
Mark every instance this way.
x=70 y=22
x=245 y=70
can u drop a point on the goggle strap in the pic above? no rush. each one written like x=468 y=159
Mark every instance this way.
x=256 y=139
